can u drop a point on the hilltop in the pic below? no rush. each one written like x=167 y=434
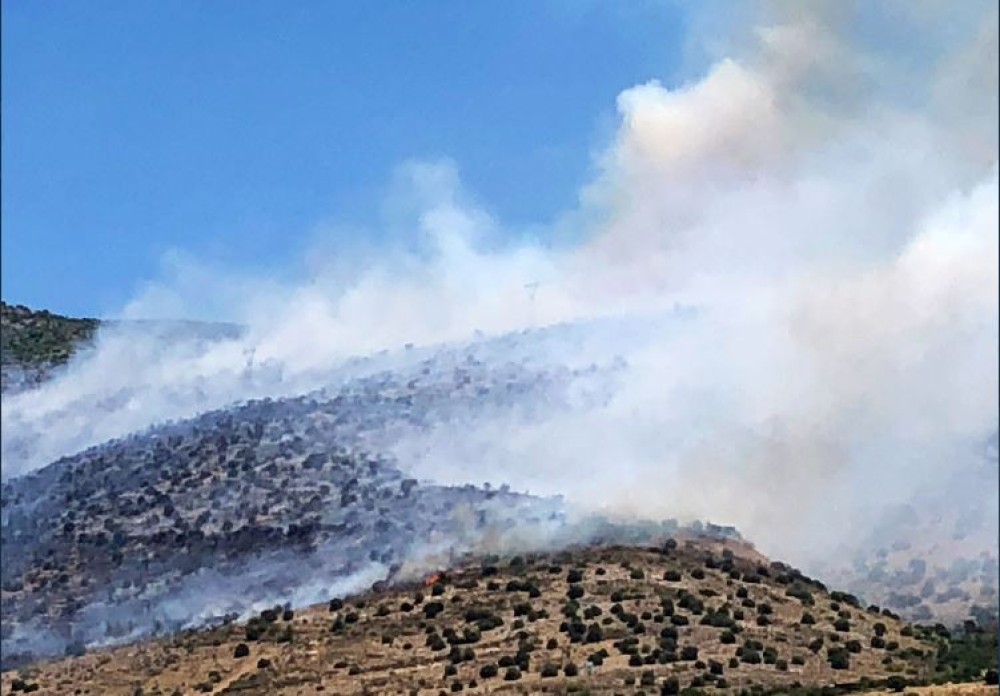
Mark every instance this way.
x=35 y=343
x=684 y=615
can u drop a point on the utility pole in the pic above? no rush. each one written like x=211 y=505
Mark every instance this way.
x=532 y=288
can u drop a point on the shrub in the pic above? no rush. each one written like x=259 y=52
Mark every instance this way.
x=807 y=619
x=570 y=670
x=672 y=576
x=897 y=683
x=689 y=653
x=842 y=625
x=549 y=671
x=838 y=658
x=512 y=674
x=432 y=609
x=488 y=671
x=242 y=650
x=751 y=657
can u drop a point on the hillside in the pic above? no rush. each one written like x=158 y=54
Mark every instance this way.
x=676 y=617
x=32 y=343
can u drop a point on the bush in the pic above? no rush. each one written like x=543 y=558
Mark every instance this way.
x=689 y=653
x=570 y=670
x=488 y=671
x=897 y=683
x=512 y=674
x=838 y=658
x=549 y=671
x=432 y=609
x=842 y=625
x=670 y=687
x=242 y=650
x=672 y=576
x=751 y=657
x=807 y=619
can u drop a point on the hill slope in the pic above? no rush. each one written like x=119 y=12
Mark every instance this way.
x=704 y=613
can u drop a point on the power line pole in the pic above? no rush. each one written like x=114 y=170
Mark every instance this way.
x=532 y=288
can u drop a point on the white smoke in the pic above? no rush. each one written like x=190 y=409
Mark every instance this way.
x=830 y=208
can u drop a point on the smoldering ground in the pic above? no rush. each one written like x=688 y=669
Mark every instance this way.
x=823 y=191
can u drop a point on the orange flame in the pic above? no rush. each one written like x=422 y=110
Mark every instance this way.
x=432 y=579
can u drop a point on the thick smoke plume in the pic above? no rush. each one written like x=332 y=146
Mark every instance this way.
x=823 y=193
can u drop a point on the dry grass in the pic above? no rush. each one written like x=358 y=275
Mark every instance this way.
x=382 y=645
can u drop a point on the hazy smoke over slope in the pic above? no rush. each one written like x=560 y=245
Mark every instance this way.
x=827 y=200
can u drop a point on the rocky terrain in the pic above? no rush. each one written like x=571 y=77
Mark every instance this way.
x=685 y=615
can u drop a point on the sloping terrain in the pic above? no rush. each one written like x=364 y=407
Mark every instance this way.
x=32 y=343
x=117 y=540
x=701 y=613
x=35 y=343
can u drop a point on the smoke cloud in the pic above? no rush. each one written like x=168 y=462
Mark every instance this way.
x=824 y=193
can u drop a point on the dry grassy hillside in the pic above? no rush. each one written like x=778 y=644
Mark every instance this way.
x=695 y=615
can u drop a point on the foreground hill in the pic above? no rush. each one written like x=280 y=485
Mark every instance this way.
x=701 y=613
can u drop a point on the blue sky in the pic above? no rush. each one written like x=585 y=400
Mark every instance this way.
x=231 y=129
